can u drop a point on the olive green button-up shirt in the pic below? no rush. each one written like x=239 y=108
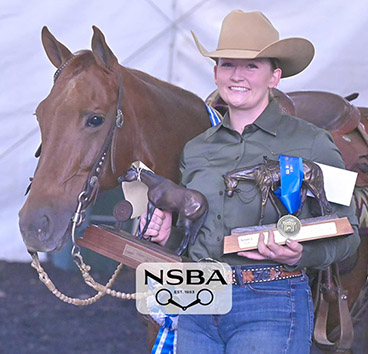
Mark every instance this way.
x=220 y=149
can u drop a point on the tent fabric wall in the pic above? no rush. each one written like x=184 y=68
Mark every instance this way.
x=152 y=36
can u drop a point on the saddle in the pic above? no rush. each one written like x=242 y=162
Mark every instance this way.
x=348 y=126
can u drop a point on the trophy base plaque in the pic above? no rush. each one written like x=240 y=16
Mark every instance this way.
x=124 y=247
x=245 y=239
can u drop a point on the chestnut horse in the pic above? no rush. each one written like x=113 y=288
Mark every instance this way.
x=91 y=94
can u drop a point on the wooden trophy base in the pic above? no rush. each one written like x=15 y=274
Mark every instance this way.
x=245 y=239
x=124 y=247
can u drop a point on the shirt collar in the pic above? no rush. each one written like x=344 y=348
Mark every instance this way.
x=268 y=121
x=270 y=118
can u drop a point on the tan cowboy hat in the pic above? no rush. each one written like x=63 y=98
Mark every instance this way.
x=249 y=35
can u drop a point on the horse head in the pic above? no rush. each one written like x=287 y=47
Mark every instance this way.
x=232 y=178
x=80 y=120
x=75 y=120
x=131 y=175
x=230 y=185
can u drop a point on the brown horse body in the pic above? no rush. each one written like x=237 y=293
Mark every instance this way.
x=75 y=120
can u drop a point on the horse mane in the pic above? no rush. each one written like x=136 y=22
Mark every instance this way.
x=86 y=59
x=166 y=89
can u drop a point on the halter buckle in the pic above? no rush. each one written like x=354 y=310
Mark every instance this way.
x=119 y=118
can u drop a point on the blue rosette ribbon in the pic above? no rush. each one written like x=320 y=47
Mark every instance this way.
x=166 y=338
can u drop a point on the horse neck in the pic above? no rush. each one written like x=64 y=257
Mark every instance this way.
x=149 y=178
x=159 y=119
x=249 y=173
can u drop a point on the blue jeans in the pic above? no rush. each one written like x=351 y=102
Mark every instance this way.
x=273 y=317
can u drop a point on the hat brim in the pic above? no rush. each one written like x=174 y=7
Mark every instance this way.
x=293 y=54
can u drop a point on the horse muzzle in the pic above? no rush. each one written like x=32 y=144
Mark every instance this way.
x=43 y=230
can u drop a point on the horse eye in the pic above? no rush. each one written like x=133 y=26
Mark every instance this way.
x=94 y=121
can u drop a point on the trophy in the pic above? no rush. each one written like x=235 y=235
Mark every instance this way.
x=153 y=191
x=287 y=180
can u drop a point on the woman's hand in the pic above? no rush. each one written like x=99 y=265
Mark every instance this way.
x=288 y=254
x=160 y=226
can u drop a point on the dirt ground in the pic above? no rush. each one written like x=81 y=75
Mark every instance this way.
x=32 y=320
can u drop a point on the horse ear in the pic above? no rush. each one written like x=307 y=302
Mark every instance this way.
x=56 y=51
x=101 y=50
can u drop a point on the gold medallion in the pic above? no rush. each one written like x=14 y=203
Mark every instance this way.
x=289 y=226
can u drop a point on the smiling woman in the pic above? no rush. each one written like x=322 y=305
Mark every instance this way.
x=270 y=283
x=245 y=85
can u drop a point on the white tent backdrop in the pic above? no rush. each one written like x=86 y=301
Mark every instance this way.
x=152 y=36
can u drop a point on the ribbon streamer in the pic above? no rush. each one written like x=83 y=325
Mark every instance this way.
x=291 y=172
x=166 y=339
x=214 y=116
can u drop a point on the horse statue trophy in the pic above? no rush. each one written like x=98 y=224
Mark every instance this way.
x=267 y=176
x=273 y=180
x=190 y=205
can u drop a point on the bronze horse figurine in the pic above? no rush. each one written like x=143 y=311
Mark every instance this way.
x=97 y=119
x=190 y=205
x=267 y=177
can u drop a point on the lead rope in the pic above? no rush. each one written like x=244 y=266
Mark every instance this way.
x=102 y=290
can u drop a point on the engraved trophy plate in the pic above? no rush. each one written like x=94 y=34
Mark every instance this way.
x=245 y=239
x=124 y=247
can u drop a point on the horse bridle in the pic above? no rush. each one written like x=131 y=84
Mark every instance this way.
x=91 y=187
x=88 y=193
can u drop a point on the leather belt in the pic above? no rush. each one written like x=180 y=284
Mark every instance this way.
x=242 y=275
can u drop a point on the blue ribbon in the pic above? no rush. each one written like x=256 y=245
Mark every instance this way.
x=166 y=338
x=291 y=171
x=214 y=118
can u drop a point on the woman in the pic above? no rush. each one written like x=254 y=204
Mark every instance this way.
x=274 y=315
